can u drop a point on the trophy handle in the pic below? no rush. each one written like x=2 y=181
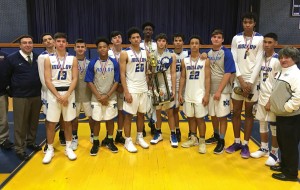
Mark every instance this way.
x=167 y=86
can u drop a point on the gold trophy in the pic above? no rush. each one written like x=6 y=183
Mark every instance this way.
x=160 y=95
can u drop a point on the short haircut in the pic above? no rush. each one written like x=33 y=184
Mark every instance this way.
x=195 y=37
x=102 y=39
x=80 y=40
x=60 y=35
x=271 y=35
x=115 y=33
x=25 y=36
x=133 y=30
x=249 y=15
x=148 y=23
x=216 y=32
x=291 y=52
x=178 y=35
x=45 y=34
x=161 y=36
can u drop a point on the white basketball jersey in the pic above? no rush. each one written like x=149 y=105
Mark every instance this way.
x=61 y=70
x=164 y=62
x=245 y=60
x=41 y=63
x=179 y=57
x=269 y=68
x=114 y=55
x=135 y=71
x=195 y=80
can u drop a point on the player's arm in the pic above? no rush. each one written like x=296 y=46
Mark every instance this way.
x=123 y=62
x=258 y=60
x=73 y=82
x=173 y=74
x=181 y=82
x=229 y=69
x=207 y=83
x=48 y=79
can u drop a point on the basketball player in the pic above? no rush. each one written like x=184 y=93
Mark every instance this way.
x=103 y=76
x=166 y=61
x=133 y=77
x=48 y=42
x=222 y=67
x=149 y=44
x=270 y=65
x=247 y=50
x=178 y=41
x=83 y=93
x=195 y=73
x=114 y=52
x=61 y=72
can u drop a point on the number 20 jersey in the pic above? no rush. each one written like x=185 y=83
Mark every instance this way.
x=135 y=71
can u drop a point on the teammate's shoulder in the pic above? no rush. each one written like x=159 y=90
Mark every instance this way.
x=258 y=34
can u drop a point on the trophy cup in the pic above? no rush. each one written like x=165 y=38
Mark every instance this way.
x=158 y=79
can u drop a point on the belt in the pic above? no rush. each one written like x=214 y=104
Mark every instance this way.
x=62 y=88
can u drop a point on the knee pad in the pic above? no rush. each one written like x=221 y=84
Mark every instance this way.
x=263 y=127
x=273 y=130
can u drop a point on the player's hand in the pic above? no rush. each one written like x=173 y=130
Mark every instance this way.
x=268 y=106
x=64 y=99
x=128 y=98
x=205 y=100
x=180 y=99
x=104 y=99
x=248 y=88
x=203 y=56
x=217 y=96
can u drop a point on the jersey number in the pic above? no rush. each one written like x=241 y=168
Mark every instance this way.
x=139 y=68
x=178 y=68
x=62 y=75
x=195 y=75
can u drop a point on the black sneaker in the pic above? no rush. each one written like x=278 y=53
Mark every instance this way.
x=220 y=147
x=151 y=124
x=213 y=139
x=6 y=145
x=95 y=148
x=104 y=141
x=111 y=146
x=62 y=139
x=119 y=138
x=178 y=135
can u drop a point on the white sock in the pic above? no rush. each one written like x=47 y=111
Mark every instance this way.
x=245 y=142
x=237 y=140
x=50 y=147
x=264 y=145
x=68 y=144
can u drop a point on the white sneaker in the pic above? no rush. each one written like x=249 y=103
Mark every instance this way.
x=74 y=144
x=141 y=142
x=157 y=137
x=70 y=154
x=260 y=153
x=173 y=141
x=202 y=146
x=48 y=156
x=129 y=145
x=193 y=141
x=272 y=160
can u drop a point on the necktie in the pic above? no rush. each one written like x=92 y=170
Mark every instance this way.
x=29 y=59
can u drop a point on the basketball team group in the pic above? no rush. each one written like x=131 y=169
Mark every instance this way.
x=146 y=78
